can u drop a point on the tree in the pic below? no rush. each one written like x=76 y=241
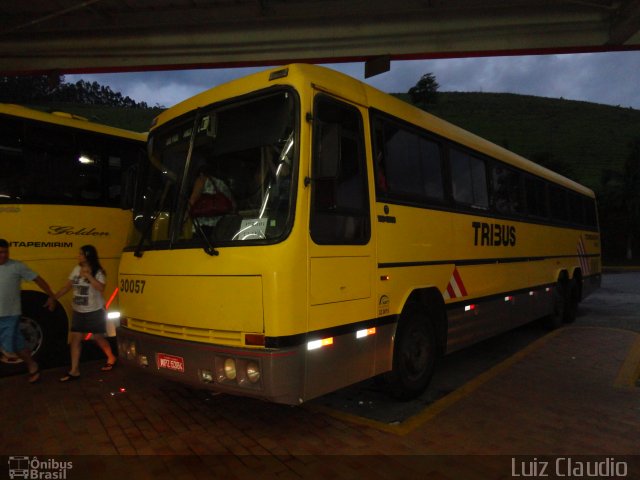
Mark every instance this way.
x=425 y=92
x=621 y=199
x=25 y=89
x=52 y=88
x=549 y=160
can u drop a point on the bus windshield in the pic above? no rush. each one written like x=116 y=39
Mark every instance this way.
x=221 y=175
x=48 y=163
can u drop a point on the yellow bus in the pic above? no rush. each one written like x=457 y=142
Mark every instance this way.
x=366 y=237
x=65 y=182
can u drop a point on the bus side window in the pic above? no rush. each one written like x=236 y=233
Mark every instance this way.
x=558 y=202
x=12 y=162
x=576 y=209
x=590 y=212
x=340 y=211
x=536 y=197
x=408 y=163
x=469 y=179
x=505 y=188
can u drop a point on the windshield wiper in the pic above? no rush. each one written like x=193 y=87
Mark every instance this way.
x=208 y=247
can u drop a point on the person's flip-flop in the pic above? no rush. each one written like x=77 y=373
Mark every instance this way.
x=34 y=377
x=69 y=378
x=107 y=367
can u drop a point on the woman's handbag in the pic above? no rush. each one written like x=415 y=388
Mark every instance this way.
x=211 y=205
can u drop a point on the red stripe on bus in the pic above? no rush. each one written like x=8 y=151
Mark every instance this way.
x=113 y=295
x=458 y=278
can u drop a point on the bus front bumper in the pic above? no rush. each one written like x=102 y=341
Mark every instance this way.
x=270 y=374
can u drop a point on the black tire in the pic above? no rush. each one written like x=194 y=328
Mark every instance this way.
x=414 y=354
x=556 y=318
x=565 y=303
x=45 y=335
x=572 y=300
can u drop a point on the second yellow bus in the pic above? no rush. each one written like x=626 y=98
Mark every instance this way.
x=65 y=182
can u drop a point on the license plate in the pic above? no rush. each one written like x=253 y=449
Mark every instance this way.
x=170 y=362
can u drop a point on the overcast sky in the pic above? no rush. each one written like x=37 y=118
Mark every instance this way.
x=609 y=78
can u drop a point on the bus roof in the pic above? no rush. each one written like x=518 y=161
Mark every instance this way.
x=69 y=120
x=333 y=82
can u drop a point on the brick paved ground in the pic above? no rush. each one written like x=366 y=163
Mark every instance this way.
x=558 y=399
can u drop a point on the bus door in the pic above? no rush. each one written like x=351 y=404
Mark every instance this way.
x=341 y=268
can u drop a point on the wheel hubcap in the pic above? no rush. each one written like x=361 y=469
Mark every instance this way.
x=416 y=355
x=33 y=337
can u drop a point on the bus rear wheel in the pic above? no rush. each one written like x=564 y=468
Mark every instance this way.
x=414 y=354
x=556 y=317
x=571 y=302
x=565 y=303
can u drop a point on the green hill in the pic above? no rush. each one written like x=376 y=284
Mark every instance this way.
x=136 y=119
x=578 y=139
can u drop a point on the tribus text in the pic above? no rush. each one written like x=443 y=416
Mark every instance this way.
x=493 y=235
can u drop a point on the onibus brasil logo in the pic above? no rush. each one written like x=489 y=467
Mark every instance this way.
x=36 y=469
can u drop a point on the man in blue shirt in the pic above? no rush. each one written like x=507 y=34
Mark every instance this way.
x=12 y=273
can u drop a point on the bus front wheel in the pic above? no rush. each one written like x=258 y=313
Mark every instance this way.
x=45 y=335
x=414 y=354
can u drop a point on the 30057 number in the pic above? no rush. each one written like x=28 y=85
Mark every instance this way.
x=132 y=286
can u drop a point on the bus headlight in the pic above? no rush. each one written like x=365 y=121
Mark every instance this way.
x=230 y=369
x=240 y=372
x=206 y=376
x=253 y=372
x=113 y=315
x=131 y=350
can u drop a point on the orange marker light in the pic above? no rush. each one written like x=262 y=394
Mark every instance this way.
x=366 y=332
x=315 y=344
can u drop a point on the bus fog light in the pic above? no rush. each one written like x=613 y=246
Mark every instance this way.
x=230 y=369
x=206 y=376
x=253 y=372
